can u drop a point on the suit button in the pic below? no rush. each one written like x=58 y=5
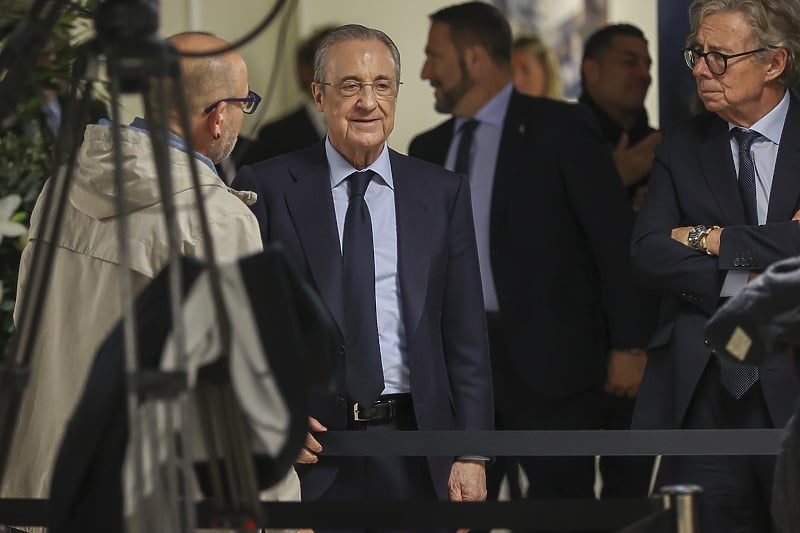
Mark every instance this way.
x=705 y=341
x=341 y=402
x=342 y=350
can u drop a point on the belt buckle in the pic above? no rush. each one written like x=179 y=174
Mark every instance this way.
x=371 y=414
x=355 y=413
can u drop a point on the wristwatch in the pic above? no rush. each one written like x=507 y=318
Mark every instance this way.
x=696 y=236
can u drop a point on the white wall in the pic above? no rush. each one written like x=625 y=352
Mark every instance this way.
x=405 y=21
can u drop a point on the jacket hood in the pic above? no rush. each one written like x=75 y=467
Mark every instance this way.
x=94 y=192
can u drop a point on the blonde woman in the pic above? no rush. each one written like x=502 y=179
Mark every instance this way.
x=535 y=68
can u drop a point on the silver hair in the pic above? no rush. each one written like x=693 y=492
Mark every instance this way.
x=775 y=24
x=350 y=32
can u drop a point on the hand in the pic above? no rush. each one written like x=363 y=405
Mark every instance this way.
x=638 y=197
x=467 y=482
x=681 y=234
x=308 y=455
x=635 y=162
x=625 y=371
x=796 y=217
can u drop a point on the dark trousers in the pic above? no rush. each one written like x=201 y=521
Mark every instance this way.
x=502 y=468
x=517 y=407
x=381 y=478
x=737 y=490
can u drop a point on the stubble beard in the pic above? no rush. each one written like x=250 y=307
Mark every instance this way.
x=225 y=147
x=450 y=98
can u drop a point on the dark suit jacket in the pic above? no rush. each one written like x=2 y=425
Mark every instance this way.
x=559 y=233
x=694 y=182
x=289 y=133
x=441 y=298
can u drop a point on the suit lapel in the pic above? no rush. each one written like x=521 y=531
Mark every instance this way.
x=512 y=144
x=310 y=205
x=717 y=166
x=783 y=198
x=413 y=245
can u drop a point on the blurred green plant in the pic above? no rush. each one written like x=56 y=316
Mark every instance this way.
x=26 y=144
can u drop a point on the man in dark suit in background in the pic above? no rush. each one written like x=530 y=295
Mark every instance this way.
x=301 y=127
x=424 y=308
x=721 y=197
x=566 y=326
x=615 y=77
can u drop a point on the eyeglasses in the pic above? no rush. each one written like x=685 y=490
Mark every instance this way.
x=381 y=88
x=249 y=103
x=717 y=62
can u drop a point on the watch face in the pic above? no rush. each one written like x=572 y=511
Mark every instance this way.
x=695 y=234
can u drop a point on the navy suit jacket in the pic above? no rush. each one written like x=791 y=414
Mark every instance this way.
x=694 y=182
x=560 y=227
x=441 y=298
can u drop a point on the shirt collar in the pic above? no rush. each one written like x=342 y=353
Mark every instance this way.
x=174 y=140
x=494 y=111
x=770 y=125
x=340 y=168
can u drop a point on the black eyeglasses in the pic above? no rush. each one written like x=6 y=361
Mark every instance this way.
x=382 y=88
x=717 y=62
x=249 y=103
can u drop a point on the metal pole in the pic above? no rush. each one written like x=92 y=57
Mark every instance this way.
x=686 y=502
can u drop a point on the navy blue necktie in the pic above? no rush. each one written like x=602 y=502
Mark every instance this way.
x=364 y=371
x=465 y=146
x=738 y=379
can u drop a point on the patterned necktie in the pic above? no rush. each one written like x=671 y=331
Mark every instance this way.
x=747 y=173
x=738 y=379
x=465 y=146
x=364 y=371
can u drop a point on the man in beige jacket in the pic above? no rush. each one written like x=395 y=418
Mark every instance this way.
x=83 y=297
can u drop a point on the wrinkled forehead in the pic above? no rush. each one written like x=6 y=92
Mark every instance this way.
x=361 y=60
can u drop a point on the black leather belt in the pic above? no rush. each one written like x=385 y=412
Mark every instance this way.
x=385 y=408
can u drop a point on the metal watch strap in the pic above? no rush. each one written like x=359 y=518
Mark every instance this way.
x=695 y=235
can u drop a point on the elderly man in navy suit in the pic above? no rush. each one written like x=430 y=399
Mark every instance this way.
x=723 y=191
x=414 y=353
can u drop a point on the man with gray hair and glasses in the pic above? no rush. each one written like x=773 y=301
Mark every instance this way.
x=722 y=204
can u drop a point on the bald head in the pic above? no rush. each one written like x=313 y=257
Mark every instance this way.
x=209 y=78
x=206 y=80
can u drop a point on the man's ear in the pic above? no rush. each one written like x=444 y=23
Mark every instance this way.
x=590 y=70
x=777 y=64
x=474 y=57
x=316 y=93
x=215 y=120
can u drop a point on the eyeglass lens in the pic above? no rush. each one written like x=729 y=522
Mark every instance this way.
x=381 y=88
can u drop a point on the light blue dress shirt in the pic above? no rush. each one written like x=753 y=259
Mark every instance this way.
x=765 y=153
x=380 y=201
x=483 y=162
